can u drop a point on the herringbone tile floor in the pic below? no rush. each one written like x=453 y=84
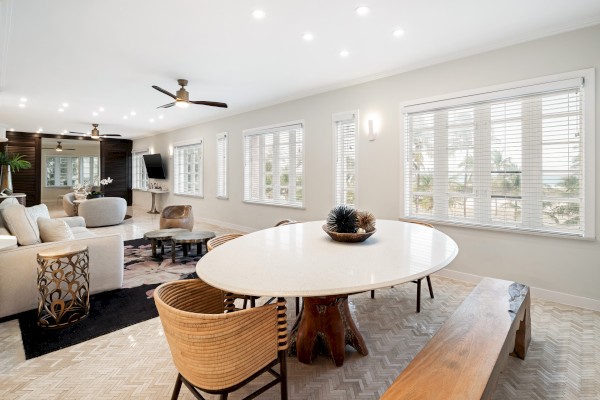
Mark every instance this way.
x=135 y=363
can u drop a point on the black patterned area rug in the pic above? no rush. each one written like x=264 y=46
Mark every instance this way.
x=116 y=309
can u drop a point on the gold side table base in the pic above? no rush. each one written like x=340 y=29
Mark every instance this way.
x=63 y=285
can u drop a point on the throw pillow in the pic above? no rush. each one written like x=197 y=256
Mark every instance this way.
x=20 y=224
x=35 y=212
x=54 y=230
x=5 y=203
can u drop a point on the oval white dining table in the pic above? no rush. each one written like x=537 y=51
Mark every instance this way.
x=301 y=260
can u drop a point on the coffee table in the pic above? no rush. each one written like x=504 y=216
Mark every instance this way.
x=160 y=236
x=188 y=238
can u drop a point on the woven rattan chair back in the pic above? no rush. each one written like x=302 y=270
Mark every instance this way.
x=219 y=240
x=219 y=352
x=286 y=222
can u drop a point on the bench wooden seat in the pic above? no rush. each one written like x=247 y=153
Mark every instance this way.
x=464 y=358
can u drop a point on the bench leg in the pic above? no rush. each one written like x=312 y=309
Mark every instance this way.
x=523 y=334
x=419 y=295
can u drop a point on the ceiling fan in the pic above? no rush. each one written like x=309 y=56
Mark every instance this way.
x=183 y=97
x=95 y=133
x=58 y=147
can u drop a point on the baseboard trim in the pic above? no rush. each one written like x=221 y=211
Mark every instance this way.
x=544 y=294
x=240 y=228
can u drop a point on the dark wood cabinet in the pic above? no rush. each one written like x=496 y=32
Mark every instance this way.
x=26 y=181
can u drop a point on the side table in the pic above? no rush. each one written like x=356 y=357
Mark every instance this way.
x=63 y=284
x=189 y=238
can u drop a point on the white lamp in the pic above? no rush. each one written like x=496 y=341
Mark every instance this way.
x=3 y=133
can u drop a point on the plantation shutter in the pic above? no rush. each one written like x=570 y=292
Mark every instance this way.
x=138 y=170
x=187 y=160
x=509 y=159
x=345 y=158
x=222 y=165
x=274 y=165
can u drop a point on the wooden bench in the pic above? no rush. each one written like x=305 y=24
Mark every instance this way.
x=464 y=358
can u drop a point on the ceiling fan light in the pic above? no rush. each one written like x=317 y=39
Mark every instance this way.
x=59 y=147
x=182 y=104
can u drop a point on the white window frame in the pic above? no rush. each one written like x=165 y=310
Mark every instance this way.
x=337 y=190
x=222 y=167
x=71 y=180
x=177 y=174
x=488 y=93
x=247 y=173
x=138 y=169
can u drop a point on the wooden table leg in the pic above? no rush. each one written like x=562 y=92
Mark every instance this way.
x=153 y=242
x=172 y=250
x=325 y=326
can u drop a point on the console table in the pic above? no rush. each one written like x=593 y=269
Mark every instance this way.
x=154 y=192
x=21 y=197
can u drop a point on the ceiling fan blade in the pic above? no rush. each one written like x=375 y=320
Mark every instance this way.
x=165 y=92
x=210 y=103
x=108 y=134
x=167 y=105
x=79 y=133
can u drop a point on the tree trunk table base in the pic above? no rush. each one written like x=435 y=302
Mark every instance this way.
x=325 y=327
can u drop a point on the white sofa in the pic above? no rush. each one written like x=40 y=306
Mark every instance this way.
x=18 y=264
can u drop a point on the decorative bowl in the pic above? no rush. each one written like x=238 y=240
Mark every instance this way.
x=348 y=237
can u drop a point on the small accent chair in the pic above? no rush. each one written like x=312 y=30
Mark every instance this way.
x=216 y=351
x=177 y=217
x=103 y=211
x=289 y=222
x=418 y=281
x=67 y=201
x=219 y=240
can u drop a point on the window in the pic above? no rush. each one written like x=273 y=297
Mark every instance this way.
x=512 y=158
x=66 y=171
x=344 y=131
x=222 y=165
x=139 y=176
x=274 y=165
x=187 y=160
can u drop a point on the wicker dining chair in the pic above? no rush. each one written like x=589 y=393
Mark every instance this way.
x=417 y=281
x=219 y=352
x=289 y=222
x=216 y=242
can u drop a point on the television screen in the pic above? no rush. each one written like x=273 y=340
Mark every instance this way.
x=154 y=166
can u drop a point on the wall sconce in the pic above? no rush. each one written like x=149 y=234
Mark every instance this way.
x=372 y=134
x=170 y=151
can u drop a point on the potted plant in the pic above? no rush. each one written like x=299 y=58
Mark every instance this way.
x=95 y=194
x=10 y=163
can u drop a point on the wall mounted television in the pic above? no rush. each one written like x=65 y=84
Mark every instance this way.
x=154 y=166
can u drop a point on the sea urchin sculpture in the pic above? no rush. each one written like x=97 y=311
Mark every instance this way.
x=342 y=219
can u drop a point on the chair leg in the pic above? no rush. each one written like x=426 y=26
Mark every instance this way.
x=245 y=302
x=283 y=373
x=297 y=305
x=372 y=294
x=419 y=295
x=224 y=396
x=177 y=388
x=252 y=302
x=430 y=288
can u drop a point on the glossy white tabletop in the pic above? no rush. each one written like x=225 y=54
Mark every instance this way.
x=301 y=260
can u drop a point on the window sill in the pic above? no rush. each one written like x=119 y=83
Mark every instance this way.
x=300 y=207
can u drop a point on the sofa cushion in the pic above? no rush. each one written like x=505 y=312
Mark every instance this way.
x=54 y=230
x=20 y=224
x=5 y=203
x=82 y=233
x=39 y=211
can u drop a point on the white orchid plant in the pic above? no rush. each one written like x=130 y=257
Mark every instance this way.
x=102 y=182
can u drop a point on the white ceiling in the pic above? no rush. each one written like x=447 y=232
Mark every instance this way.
x=108 y=53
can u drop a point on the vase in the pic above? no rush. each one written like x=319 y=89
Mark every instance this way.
x=6 y=180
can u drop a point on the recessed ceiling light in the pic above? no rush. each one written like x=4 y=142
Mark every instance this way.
x=63 y=132
x=23 y=100
x=21 y=105
x=308 y=36
x=39 y=130
x=398 y=32
x=125 y=117
x=258 y=14
x=151 y=120
x=344 y=53
x=362 y=10
x=61 y=109
x=132 y=113
x=95 y=114
x=12 y=129
x=65 y=105
x=101 y=109
x=161 y=116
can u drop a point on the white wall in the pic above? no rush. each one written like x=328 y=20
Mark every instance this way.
x=562 y=265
